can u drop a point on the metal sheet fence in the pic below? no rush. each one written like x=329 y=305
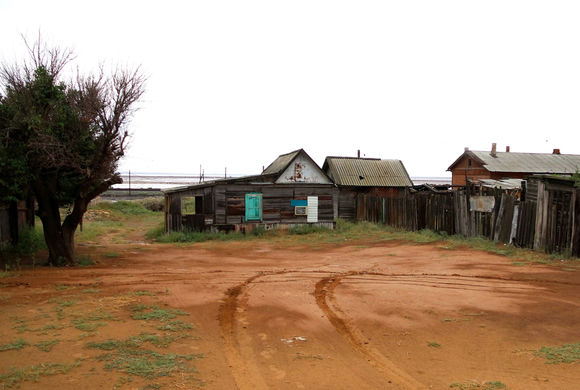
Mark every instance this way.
x=505 y=219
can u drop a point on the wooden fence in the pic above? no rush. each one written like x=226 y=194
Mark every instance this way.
x=498 y=216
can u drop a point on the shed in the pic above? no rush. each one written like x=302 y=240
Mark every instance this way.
x=356 y=176
x=292 y=190
x=480 y=165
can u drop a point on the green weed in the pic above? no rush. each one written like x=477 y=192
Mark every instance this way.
x=176 y=326
x=471 y=385
x=33 y=373
x=567 y=353
x=433 y=344
x=124 y=208
x=301 y=356
x=127 y=356
x=18 y=344
x=92 y=321
x=46 y=346
x=30 y=241
x=91 y=291
x=155 y=313
x=141 y=293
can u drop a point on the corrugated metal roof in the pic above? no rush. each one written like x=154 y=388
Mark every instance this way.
x=281 y=163
x=529 y=162
x=506 y=184
x=367 y=172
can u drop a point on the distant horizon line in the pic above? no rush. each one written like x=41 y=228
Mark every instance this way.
x=196 y=175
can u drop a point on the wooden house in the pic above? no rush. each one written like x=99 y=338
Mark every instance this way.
x=355 y=176
x=292 y=190
x=473 y=166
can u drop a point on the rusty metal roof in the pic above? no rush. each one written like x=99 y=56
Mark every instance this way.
x=281 y=163
x=529 y=162
x=367 y=172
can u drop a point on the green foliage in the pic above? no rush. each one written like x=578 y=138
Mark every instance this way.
x=175 y=326
x=30 y=241
x=307 y=229
x=129 y=356
x=124 y=207
x=188 y=236
x=155 y=313
x=472 y=385
x=18 y=344
x=46 y=346
x=568 y=353
x=33 y=373
x=153 y=203
x=576 y=178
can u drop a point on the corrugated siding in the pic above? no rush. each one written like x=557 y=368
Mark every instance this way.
x=360 y=172
x=530 y=162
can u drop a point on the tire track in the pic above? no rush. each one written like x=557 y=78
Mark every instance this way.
x=324 y=295
x=242 y=362
x=240 y=355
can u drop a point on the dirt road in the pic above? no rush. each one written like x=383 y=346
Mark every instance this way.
x=384 y=315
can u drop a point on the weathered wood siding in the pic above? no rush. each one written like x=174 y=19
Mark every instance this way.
x=349 y=207
x=549 y=224
x=224 y=204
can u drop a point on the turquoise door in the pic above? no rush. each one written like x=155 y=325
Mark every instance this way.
x=253 y=207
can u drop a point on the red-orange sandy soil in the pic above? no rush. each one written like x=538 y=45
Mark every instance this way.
x=277 y=315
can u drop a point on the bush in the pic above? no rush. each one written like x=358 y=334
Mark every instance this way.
x=153 y=203
x=30 y=241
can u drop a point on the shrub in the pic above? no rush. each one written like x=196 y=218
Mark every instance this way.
x=153 y=203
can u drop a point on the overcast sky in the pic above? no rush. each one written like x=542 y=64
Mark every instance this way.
x=236 y=83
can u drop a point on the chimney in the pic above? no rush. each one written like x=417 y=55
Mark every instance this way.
x=466 y=149
x=507 y=149
x=358 y=153
x=556 y=151
x=493 y=150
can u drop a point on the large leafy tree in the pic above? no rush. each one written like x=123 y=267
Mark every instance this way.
x=61 y=140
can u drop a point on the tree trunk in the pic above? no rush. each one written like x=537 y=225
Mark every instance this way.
x=59 y=237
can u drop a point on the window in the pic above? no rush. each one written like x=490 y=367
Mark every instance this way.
x=253 y=207
x=188 y=205
x=191 y=205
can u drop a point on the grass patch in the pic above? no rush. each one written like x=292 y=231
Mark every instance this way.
x=112 y=255
x=188 y=236
x=567 y=353
x=33 y=373
x=125 y=208
x=307 y=229
x=161 y=341
x=147 y=364
x=46 y=346
x=433 y=344
x=175 y=326
x=62 y=287
x=85 y=261
x=155 y=313
x=471 y=385
x=91 y=291
x=18 y=344
x=142 y=293
x=92 y=321
x=301 y=356
x=129 y=357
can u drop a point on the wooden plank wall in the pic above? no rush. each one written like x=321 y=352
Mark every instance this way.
x=551 y=221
